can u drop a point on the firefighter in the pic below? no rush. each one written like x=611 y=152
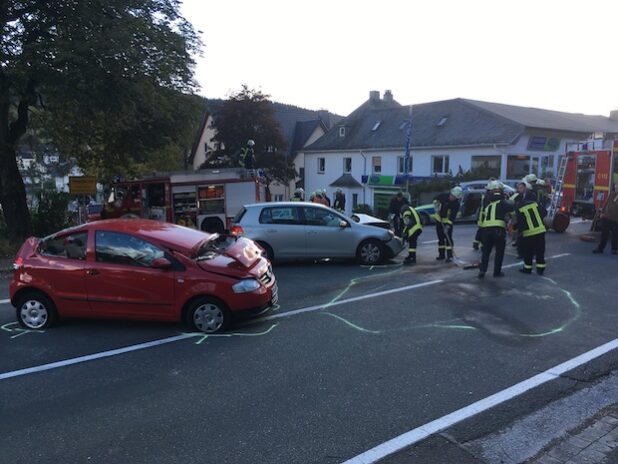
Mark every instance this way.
x=609 y=222
x=531 y=230
x=299 y=195
x=325 y=197
x=413 y=227
x=524 y=193
x=493 y=227
x=446 y=208
x=318 y=198
x=339 y=203
x=538 y=189
x=247 y=155
x=479 y=219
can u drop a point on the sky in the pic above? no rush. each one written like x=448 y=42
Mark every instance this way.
x=554 y=54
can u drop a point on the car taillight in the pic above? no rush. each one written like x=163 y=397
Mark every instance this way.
x=236 y=230
x=19 y=262
x=563 y=209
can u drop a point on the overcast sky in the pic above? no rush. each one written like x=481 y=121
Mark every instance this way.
x=556 y=54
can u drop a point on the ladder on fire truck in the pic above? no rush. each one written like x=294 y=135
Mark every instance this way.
x=556 y=199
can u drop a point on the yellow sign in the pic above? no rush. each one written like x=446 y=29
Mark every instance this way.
x=82 y=185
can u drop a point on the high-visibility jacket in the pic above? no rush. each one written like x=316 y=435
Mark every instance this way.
x=495 y=211
x=412 y=221
x=446 y=210
x=296 y=198
x=530 y=218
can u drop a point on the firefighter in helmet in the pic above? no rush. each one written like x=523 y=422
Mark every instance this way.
x=299 y=195
x=531 y=230
x=412 y=228
x=446 y=207
x=493 y=228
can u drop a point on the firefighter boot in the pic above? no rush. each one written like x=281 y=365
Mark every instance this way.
x=410 y=259
x=449 y=255
x=440 y=253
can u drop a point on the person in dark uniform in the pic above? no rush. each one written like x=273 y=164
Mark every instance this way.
x=339 y=203
x=446 y=207
x=394 y=209
x=413 y=227
x=532 y=233
x=493 y=228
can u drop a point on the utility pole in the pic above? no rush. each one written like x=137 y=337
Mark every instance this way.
x=406 y=158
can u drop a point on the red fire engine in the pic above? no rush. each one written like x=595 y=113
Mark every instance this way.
x=590 y=169
x=207 y=200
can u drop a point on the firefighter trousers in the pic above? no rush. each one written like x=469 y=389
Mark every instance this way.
x=445 y=240
x=533 y=249
x=608 y=226
x=493 y=237
x=412 y=242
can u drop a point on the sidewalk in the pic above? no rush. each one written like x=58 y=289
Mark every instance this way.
x=595 y=442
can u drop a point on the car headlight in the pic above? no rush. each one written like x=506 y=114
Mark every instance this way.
x=247 y=285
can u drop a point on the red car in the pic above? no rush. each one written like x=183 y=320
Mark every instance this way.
x=141 y=269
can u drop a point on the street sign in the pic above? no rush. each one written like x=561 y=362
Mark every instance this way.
x=82 y=185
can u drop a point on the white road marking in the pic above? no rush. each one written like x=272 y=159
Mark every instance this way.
x=91 y=357
x=420 y=433
x=430 y=241
x=348 y=300
x=5 y=301
x=520 y=263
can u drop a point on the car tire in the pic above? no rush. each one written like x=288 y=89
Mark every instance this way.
x=208 y=315
x=270 y=254
x=370 y=252
x=425 y=219
x=35 y=311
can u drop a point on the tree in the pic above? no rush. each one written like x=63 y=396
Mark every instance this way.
x=101 y=76
x=249 y=114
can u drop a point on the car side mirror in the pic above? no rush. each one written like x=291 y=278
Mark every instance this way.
x=161 y=263
x=344 y=224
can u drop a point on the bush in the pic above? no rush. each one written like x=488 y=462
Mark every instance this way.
x=363 y=208
x=51 y=214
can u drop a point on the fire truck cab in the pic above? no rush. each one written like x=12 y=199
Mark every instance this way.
x=206 y=200
x=591 y=169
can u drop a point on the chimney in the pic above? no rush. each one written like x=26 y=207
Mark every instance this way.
x=374 y=95
x=613 y=115
x=324 y=116
x=388 y=96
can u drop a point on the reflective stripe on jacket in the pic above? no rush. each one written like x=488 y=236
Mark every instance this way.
x=490 y=218
x=533 y=220
x=412 y=221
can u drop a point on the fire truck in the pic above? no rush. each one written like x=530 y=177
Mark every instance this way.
x=590 y=168
x=206 y=200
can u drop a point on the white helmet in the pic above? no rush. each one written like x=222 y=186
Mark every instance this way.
x=299 y=191
x=250 y=143
x=525 y=183
x=494 y=185
x=457 y=192
x=531 y=178
x=323 y=191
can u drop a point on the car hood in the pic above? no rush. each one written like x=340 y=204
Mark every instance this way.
x=240 y=259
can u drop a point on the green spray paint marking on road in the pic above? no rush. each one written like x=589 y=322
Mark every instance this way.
x=204 y=336
x=354 y=326
x=13 y=327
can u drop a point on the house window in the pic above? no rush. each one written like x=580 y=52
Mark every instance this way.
x=321 y=165
x=354 y=200
x=278 y=197
x=342 y=132
x=487 y=166
x=347 y=165
x=401 y=166
x=440 y=164
x=376 y=163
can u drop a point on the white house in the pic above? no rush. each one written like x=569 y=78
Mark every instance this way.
x=363 y=154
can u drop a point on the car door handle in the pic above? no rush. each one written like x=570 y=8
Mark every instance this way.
x=92 y=272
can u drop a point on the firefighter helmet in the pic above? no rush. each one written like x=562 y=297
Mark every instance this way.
x=494 y=185
x=531 y=178
x=250 y=143
x=457 y=192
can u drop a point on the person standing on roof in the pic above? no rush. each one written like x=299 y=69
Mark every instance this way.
x=413 y=227
x=446 y=207
x=531 y=230
x=609 y=222
x=493 y=227
x=339 y=203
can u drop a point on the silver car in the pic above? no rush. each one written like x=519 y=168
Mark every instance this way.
x=300 y=230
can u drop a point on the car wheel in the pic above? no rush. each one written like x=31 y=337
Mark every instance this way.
x=35 y=311
x=425 y=220
x=270 y=254
x=208 y=315
x=370 y=252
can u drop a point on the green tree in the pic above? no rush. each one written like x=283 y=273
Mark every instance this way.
x=249 y=114
x=103 y=77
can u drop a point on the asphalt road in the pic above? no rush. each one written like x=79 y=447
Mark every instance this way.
x=315 y=386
